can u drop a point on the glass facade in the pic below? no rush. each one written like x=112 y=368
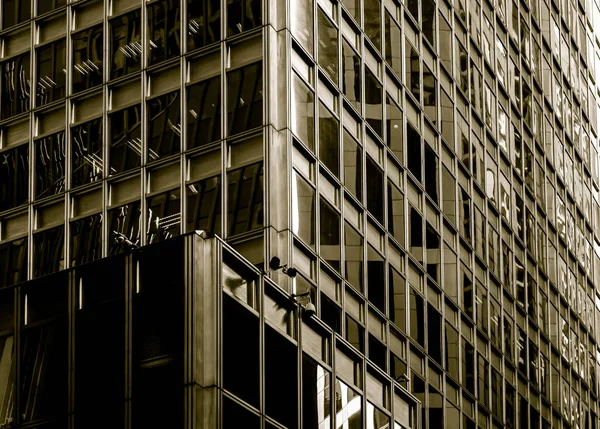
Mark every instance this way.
x=429 y=168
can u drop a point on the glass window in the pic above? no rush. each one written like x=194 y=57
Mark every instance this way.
x=48 y=251
x=397 y=292
x=48 y=5
x=51 y=72
x=353 y=244
x=348 y=407
x=431 y=173
x=430 y=94
x=303 y=107
x=50 y=154
x=125 y=135
x=164 y=126
x=355 y=333
x=329 y=140
x=14 y=177
x=163 y=30
x=331 y=314
x=375 y=197
x=376 y=419
x=428 y=21
x=15 y=86
x=204 y=112
x=303 y=210
x=13 y=266
x=245 y=198
x=413 y=151
x=372 y=23
x=396 y=221
x=415 y=234
x=88 y=64
x=394 y=128
x=376 y=279
x=328 y=45
x=316 y=395
x=351 y=83
x=329 y=227
x=374 y=102
x=302 y=24
x=14 y=12
x=124 y=227
x=393 y=46
x=125 y=42
x=413 y=70
x=86 y=153
x=451 y=345
x=417 y=317
x=244 y=98
x=243 y=15
x=164 y=216
x=86 y=240
x=352 y=165
x=204 y=23
x=235 y=416
x=204 y=205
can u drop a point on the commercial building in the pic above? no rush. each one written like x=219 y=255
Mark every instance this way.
x=429 y=169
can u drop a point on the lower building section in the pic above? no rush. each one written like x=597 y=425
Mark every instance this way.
x=184 y=333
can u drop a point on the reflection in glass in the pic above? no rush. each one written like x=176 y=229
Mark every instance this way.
x=16 y=86
x=244 y=98
x=86 y=240
x=164 y=216
x=204 y=23
x=303 y=108
x=413 y=70
x=204 y=112
x=413 y=151
x=316 y=395
x=88 y=46
x=48 y=5
x=86 y=153
x=397 y=298
x=348 y=407
x=124 y=228
x=372 y=21
x=204 y=205
x=351 y=74
x=417 y=317
x=243 y=15
x=355 y=333
x=164 y=126
x=353 y=244
x=396 y=222
x=302 y=24
x=329 y=227
x=376 y=278
x=7 y=354
x=50 y=157
x=328 y=46
x=352 y=165
x=303 y=210
x=245 y=198
x=125 y=135
x=374 y=189
x=393 y=46
x=48 y=251
x=329 y=145
x=394 y=128
x=126 y=47
x=374 y=102
x=377 y=419
x=13 y=267
x=51 y=72
x=15 y=12
x=14 y=177
x=163 y=30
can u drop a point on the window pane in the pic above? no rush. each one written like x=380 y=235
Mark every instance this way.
x=48 y=251
x=204 y=205
x=316 y=395
x=88 y=65
x=372 y=9
x=164 y=126
x=303 y=108
x=431 y=173
x=125 y=139
x=393 y=40
x=376 y=278
x=352 y=165
x=15 y=12
x=374 y=102
x=86 y=240
x=328 y=46
x=48 y=5
x=413 y=151
x=204 y=112
x=329 y=140
x=396 y=213
x=244 y=98
x=377 y=419
x=16 y=86
x=164 y=216
x=302 y=24
x=50 y=157
x=126 y=48
x=353 y=243
x=163 y=30
x=245 y=198
x=124 y=227
x=397 y=298
x=355 y=334
x=417 y=318
x=413 y=70
x=348 y=407
x=86 y=153
x=303 y=210
x=243 y=15
x=204 y=23
x=394 y=128
x=51 y=72
x=329 y=234
x=14 y=177
x=351 y=74
x=375 y=198
x=13 y=263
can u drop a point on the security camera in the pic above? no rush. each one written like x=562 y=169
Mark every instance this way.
x=309 y=310
x=275 y=265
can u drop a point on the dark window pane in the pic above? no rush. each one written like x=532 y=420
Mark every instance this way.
x=393 y=43
x=125 y=139
x=164 y=126
x=352 y=165
x=86 y=240
x=316 y=394
x=124 y=228
x=415 y=237
x=374 y=189
x=164 y=216
x=396 y=213
x=240 y=341
x=243 y=15
x=372 y=24
x=431 y=173
x=413 y=70
x=351 y=74
x=303 y=210
x=13 y=262
x=328 y=46
x=432 y=243
x=330 y=234
x=331 y=314
x=245 y=198
x=353 y=243
x=16 y=86
x=86 y=153
x=125 y=42
x=244 y=98
x=430 y=94
x=468 y=353
x=163 y=30
x=50 y=158
x=88 y=66
x=329 y=140
x=355 y=334
x=204 y=23
x=428 y=20
x=451 y=345
x=51 y=72
x=377 y=353
x=15 y=12
x=44 y=6
x=417 y=318
x=281 y=375
x=374 y=102
x=394 y=128
x=14 y=177
x=413 y=151
x=204 y=112
x=48 y=251
x=7 y=353
x=376 y=278
x=303 y=112
x=236 y=416
x=434 y=334
x=397 y=299
x=204 y=205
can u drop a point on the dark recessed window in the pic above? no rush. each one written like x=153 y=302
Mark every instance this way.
x=164 y=216
x=50 y=160
x=204 y=205
x=164 y=126
x=14 y=12
x=331 y=314
x=413 y=151
x=351 y=81
x=14 y=177
x=125 y=134
x=243 y=15
x=13 y=262
x=376 y=278
x=245 y=198
x=417 y=317
x=88 y=65
x=163 y=30
x=51 y=72
x=355 y=333
x=329 y=140
x=353 y=244
x=396 y=213
x=434 y=333
x=48 y=251
x=377 y=352
x=375 y=196
x=204 y=23
x=204 y=112
x=124 y=228
x=86 y=239
x=328 y=46
x=126 y=44
x=330 y=235
x=352 y=165
x=397 y=292
x=16 y=86
x=86 y=153
x=374 y=102
x=236 y=416
x=44 y=6
x=244 y=98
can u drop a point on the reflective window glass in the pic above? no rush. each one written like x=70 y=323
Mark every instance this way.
x=48 y=251
x=316 y=394
x=244 y=98
x=375 y=196
x=353 y=244
x=50 y=158
x=48 y=5
x=124 y=228
x=329 y=141
x=204 y=23
x=374 y=102
x=14 y=177
x=86 y=153
x=352 y=165
x=51 y=72
x=125 y=42
x=243 y=15
x=88 y=65
x=164 y=126
x=396 y=212
x=302 y=24
x=13 y=265
x=86 y=240
x=16 y=86
x=14 y=12
x=348 y=407
x=204 y=112
x=125 y=134
x=303 y=210
x=328 y=46
x=245 y=198
x=303 y=112
x=204 y=205
x=164 y=216
x=330 y=235
x=393 y=39
x=163 y=30
x=351 y=82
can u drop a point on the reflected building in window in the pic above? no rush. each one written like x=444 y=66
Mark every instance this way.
x=429 y=169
